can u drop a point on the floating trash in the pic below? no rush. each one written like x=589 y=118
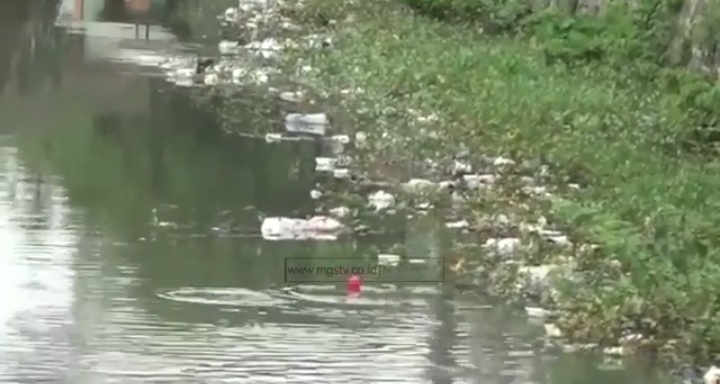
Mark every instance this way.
x=343 y=160
x=538 y=273
x=179 y=62
x=304 y=70
x=561 y=240
x=315 y=194
x=239 y=73
x=629 y=340
x=504 y=247
x=211 y=79
x=338 y=143
x=500 y=161
x=315 y=228
x=342 y=139
x=318 y=41
x=273 y=137
x=551 y=330
x=140 y=57
x=419 y=185
x=182 y=73
x=353 y=285
x=388 y=259
x=615 y=351
x=460 y=224
x=423 y=206
x=537 y=190
x=446 y=185
x=313 y=123
x=537 y=312
x=461 y=167
x=360 y=139
x=341 y=173
x=340 y=211
x=324 y=164
x=292 y=97
x=227 y=47
x=257 y=76
x=231 y=15
x=537 y=278
x=573 y=348
x=267 y=49
x=260 y=75
x=381 y=200
x=184 y=82
x=479 y=181
x=712 y=376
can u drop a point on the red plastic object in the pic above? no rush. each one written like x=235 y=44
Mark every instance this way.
x=354 y=284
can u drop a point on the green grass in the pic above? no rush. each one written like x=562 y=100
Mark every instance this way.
x=651 y=200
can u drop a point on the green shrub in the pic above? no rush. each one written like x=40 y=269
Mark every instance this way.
x=494 y=16
x=611 y=118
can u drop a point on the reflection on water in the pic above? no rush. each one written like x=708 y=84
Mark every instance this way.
x=130 y=224
x=37 y=274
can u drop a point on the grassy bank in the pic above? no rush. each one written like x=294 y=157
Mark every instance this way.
x=627 y=132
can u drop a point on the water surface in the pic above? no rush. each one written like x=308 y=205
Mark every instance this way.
x=131 y=247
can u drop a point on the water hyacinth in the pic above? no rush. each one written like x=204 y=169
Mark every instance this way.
x=395 y=92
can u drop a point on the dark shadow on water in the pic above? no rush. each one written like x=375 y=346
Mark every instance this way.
x=443 y=339
x=145 y=161
x=29 y=40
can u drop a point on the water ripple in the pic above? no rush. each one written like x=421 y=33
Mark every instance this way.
x=225 y=296
x=78 y=309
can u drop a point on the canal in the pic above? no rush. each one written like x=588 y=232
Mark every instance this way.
x=131 y=243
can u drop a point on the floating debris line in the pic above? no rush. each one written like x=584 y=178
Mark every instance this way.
x=363 y=163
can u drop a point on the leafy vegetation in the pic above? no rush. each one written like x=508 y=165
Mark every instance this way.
x=596 y=98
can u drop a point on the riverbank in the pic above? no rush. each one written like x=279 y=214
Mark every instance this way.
x=425 y=89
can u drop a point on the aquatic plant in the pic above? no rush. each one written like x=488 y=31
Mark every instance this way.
x=620 y=126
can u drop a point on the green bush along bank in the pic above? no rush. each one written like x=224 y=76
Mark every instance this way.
x=635 y=135
x=672 y=31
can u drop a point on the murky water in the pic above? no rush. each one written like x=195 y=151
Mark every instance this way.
x=131 y=248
